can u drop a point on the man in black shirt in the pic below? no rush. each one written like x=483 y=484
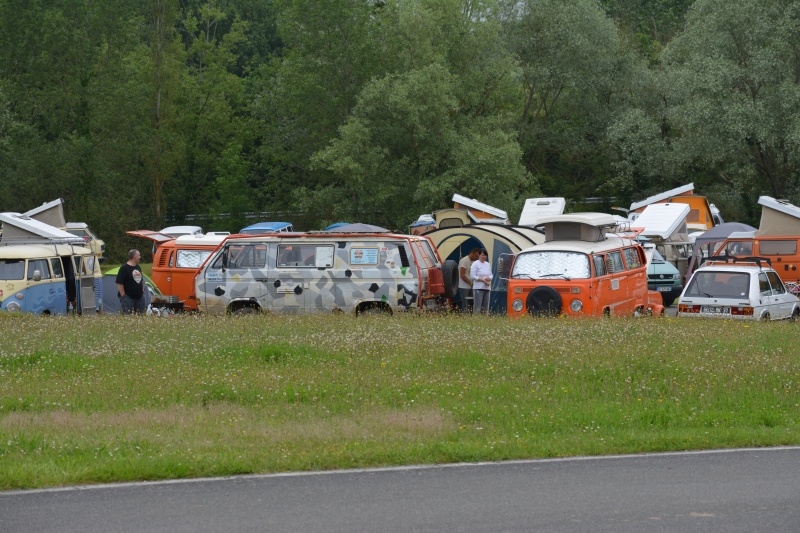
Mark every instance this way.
x=130 y=284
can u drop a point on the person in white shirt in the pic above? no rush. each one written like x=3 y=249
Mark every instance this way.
x=481 y=274
x=464 y=281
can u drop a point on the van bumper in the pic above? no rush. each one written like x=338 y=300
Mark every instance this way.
x=667 y=291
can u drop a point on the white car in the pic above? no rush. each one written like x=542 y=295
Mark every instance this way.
x=740 y=290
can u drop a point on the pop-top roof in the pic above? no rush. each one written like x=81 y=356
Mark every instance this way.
x=778 y=217
x=51 y=213
x=266 y=227
x=208 y=239
x=662 y=220
x=666 y=195
x=479 y=206
x=22 y=229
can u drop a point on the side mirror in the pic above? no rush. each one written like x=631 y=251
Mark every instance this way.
x=37 y=275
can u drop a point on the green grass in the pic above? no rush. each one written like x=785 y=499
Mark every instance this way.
x=87 y=400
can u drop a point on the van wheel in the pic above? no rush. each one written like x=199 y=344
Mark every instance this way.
x=245 y=310
x=607 y=312
x=450 y=275
x=796 y=314
x=668 y=301
x=374 y=309
x=765 y=318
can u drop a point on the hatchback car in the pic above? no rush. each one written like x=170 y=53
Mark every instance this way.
x=738 y=289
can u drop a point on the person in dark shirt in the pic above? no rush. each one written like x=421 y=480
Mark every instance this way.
x=130 y=285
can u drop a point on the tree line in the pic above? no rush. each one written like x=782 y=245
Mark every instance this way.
x=140 y=114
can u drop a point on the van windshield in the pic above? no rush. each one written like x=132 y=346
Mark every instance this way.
x=548 y=265
x=12 y=269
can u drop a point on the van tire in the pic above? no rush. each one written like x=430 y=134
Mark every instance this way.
x=544 y=301
x=450 y=275
x=245 y=310
x=374 y=309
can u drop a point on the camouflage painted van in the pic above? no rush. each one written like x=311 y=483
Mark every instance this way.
x=313 y=272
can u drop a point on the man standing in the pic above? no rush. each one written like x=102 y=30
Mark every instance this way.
x=464 y=281
x=130 y=284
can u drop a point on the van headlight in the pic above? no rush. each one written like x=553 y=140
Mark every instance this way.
x=12 y=307
x=576 y=306
x=516 y=305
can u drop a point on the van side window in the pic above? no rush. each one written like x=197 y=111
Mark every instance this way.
x=58 y=271
x=249 y=256
x=632 y=259
x=41 y=266
x=191 y=258
x=614 y=262
x=599 y=265
x=778 y=247
x=777 y=284
x=305 y=255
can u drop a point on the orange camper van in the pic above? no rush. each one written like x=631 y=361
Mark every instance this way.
x=777 y=239
x=581 y=270
x=176 y=262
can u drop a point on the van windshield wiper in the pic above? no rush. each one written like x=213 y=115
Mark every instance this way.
x=554 y=274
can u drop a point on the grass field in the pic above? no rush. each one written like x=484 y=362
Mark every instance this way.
x=87 y=400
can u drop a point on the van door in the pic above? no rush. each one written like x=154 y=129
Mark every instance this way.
x=84 y=279
x=42 y=295
x=237 y=277
x=782 y=306
x=305 y=279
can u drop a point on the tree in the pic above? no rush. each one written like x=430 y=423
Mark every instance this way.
x=736 y=94
x=574 y=79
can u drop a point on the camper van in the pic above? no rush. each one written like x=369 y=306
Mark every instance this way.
x=177 y=260
x=581 y=270
x=323 y=271
x=48 y=279
x=777 y=239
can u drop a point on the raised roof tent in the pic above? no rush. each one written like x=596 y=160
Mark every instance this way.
x=536 y=208
x=479 y=211
x=661 y=197
x=22 y=229
x=588 y=227
x=51 y=213
x=778 y=218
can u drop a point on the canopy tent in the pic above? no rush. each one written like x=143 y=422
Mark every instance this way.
x=110 y=297
x=499 y=240
x=720 y=233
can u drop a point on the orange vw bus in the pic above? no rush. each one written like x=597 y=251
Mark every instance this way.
x=581 y=270
x=177 y=260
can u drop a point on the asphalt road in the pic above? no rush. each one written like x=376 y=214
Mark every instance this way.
x=726 y=491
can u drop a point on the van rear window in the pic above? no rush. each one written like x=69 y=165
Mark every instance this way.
x=12 y=269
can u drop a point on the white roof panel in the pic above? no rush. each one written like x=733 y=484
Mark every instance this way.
x=592 y=219
x=662 y=220
x=663 y=196
x=535 y=208
x=779 y=205
x=475 y=204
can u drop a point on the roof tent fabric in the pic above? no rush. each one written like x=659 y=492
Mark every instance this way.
x=50 y=213
x=778 y=218
x=110 y=298
x=455 y=243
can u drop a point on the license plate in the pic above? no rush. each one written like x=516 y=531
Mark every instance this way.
x=711 y=310
x=664 y=289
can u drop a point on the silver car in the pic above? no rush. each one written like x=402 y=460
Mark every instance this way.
x=740 y=290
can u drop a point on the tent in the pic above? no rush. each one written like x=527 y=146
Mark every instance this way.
x=110 y=298
x=720 y=233
x=499 y=241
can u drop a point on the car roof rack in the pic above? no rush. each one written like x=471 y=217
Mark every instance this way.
x=730 y=259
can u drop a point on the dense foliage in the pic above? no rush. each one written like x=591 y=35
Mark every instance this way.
x=140 y=114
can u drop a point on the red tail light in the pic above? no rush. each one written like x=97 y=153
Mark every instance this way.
x=742 y=311
x=683 y=308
